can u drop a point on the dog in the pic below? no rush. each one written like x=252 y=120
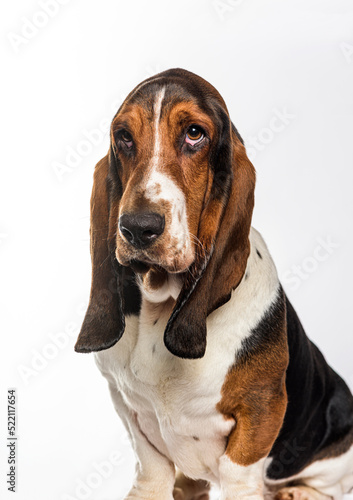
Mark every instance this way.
x=214 y=376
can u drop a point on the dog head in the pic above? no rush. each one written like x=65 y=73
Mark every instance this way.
x=174 y=195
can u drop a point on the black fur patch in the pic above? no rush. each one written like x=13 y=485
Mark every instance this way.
x=131 y=292
x=268 y=331
x=319 y=417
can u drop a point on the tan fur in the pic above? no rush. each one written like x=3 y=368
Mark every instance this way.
x=300 y=493
x=189 y=489
x=254 y=394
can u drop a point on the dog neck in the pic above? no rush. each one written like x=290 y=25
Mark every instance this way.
x=159 y=286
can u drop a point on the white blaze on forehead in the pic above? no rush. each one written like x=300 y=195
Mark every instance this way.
x=157 y=107
x=160 y=186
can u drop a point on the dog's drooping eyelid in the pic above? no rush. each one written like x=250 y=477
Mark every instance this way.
x=124 y=138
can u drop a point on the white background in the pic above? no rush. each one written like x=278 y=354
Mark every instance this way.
x=265 y=57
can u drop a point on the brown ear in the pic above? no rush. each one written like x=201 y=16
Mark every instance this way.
x=104 y=321
x=224 y=233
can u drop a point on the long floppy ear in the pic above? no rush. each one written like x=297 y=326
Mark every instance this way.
x=224 y=234
x=113 y=289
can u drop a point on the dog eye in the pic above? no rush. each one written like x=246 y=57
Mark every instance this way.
x=126 y=137
x=194 y=135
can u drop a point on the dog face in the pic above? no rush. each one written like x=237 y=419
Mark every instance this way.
x=163 y=138
x=174 y=195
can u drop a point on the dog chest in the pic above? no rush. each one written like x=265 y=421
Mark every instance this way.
x=174 y=400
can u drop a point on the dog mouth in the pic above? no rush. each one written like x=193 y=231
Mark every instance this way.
x=142 y=263
x=173 y=257
x=139 y=266
x=143 y=266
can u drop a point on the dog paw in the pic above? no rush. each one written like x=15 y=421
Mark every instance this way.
x=297 y=493
x=178 y=494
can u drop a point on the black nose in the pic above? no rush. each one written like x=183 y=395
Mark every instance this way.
x=141 y=230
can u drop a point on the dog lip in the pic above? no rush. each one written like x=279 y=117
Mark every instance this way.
x=141 y=263
x=139 y=266
x=143 y=266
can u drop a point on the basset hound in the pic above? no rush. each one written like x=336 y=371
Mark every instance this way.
x=207 y=363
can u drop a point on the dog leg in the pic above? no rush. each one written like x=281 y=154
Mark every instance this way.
x=238 y=482
x=155 y=474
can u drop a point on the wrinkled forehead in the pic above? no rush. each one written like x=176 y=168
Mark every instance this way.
x=170 y=91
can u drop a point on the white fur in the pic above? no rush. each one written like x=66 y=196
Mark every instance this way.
x=157 y=107
x=155 y=474
x=170 y=288
x=169 y=191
